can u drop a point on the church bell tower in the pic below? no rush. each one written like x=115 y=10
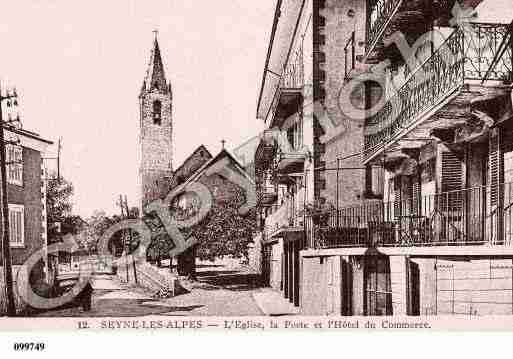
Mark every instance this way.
x=156 y=130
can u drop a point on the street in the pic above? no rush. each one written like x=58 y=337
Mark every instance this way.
x=218 y=291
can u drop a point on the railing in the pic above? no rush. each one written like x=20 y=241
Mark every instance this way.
x=465 y=55
x=476 y=216
x=292 y=77
x=266 y=195
x=350 y=55
x=294 y=73
x=287 y=215
x=380 y=13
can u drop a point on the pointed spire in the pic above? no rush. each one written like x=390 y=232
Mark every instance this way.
x=155 y=76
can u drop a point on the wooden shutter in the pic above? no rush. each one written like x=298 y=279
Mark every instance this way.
x=397 y=195
x=506 y=149
x=452 y=180
x=416 y=195
x=495 y=165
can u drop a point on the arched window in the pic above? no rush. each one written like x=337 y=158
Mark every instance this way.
x=157 y=112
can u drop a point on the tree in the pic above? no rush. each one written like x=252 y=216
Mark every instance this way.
x=59 y=207
x=223 y=232
x=59 y=211
x=100 y=222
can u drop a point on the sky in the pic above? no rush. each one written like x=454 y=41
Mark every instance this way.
x=78 y=67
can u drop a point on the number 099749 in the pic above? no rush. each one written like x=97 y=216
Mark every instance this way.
x=29 y=347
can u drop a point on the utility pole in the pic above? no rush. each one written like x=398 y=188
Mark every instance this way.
x=123 y=236
x=6 y=245
x=127 y=211
x=59 y=147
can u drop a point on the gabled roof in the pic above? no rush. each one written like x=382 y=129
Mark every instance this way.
x=188 y=167
x=202 y=170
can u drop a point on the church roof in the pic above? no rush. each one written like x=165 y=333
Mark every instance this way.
x=155 y=76
x=203 y=169
x=191 y=164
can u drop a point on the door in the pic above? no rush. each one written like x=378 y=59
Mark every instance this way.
x=378 y=287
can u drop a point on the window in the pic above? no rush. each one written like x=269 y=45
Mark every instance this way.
x=16 y=225
x=378 y=288
x=157 y=112
x=15 y=165
x=295 y=134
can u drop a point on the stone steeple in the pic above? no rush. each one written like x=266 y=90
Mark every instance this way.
x=155 y=79
x=156 y=130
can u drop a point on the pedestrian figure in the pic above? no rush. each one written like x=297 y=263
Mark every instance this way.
x=85 y=297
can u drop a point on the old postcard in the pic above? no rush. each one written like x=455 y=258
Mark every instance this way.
x=270 y=165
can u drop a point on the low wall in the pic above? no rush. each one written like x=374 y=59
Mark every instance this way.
x=148 y=277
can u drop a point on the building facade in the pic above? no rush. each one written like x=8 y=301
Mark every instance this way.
x=26 y=195
x=405 y=200
x=156 y=130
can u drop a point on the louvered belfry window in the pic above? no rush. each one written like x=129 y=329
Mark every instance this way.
x=452 y=182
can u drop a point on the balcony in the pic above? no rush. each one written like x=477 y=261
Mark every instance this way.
x=267 y=195
x=289 y=94
x=287 y=218
x=439 y=89
x=408 y=16
x=380 y=14
x=481 y=216
x=291 y=162
x=349 y=56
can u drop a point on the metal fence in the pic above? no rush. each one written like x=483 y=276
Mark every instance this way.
x=467 y=54
x=349 y=55
x=476 y=216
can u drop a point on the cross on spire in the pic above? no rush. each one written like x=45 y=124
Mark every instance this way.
x=223 y=142
x=155 y=33
x=155 y=78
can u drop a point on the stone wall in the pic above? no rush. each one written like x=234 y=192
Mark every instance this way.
x=156 y=141
x=338 y=29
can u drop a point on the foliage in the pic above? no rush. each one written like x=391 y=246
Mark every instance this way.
x=100 y=222
x=318 y=207
x=59 y=193
x=59 y=207
x=224 y=232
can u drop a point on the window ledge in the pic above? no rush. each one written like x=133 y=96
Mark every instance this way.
x=19 y=246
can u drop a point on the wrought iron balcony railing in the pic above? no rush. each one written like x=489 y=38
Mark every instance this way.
x=381 y=11
x=267 y=195
x=292 y=80
x=350 y=55
x=288 y=215
x=466 y=55
x=477 y=216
